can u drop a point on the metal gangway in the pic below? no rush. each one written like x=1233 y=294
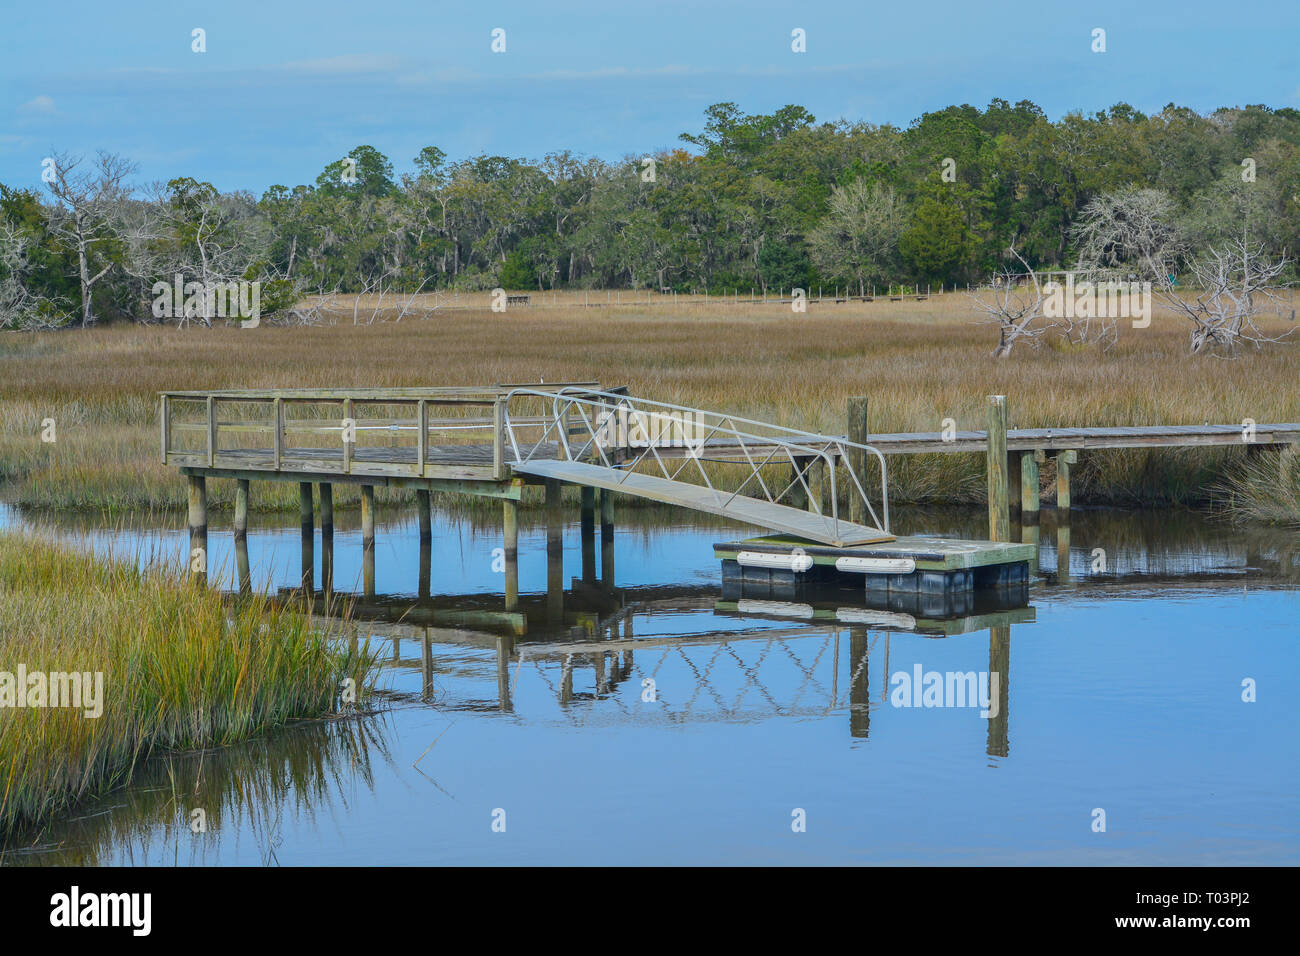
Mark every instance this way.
x=657 y=450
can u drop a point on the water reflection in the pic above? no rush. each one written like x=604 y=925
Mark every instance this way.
x=687 y=650
x=621 y=677
x=231 y=802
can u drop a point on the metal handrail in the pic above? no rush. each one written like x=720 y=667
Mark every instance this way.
x=622 y=411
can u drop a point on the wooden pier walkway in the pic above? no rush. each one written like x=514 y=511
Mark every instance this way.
x=493 y=440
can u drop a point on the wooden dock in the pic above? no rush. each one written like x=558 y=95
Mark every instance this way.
x=493 y=440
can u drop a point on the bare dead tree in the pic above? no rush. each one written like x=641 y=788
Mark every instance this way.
x=1016 y=307
x=84 y=204
x=1097 y=326
x=189 y=229
x=1130 y=230
x=1239 y=286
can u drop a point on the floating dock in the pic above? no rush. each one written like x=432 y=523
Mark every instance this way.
x=936 y=577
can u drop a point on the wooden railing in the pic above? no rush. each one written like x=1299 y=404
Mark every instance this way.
x=282 y=429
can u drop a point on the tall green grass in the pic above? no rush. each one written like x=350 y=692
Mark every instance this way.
x=182 y=667
x=1264 y=488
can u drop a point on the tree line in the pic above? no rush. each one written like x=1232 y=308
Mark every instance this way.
x=763 y=201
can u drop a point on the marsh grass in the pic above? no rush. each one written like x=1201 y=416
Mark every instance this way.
x=918 y=362
x=1264 y=488
x=182 y=666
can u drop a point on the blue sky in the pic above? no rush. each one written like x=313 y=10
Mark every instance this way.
x=285 y=88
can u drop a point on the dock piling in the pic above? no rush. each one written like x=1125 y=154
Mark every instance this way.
x=1062 y=551
x=308 y=536
x=1014 y=469
x=368 y=540
x=998 y=744
x=999 y=507
x=426 y=567
x=1064 y=459
x=799 y=475
x=588 y=535
x=554 y=554
x=607 y=538
x=326 y=491
x=859 y=434
x=425 y=508
x=816 y=470
x=1029 y=485
x=368 y=514
x=510 y=526
x=241 y=507
x=198 y=522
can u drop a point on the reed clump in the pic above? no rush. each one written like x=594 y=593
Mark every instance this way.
x=182 y=668
x=1264 y=488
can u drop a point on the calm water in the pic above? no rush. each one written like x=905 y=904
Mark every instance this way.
x=1123 y=691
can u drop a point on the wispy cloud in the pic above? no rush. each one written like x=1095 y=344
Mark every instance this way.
x=38 y=105
x=345 y=64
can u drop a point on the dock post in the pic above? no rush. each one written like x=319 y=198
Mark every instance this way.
x=426 y=567
x=510 y=525
x=999 y=508
x=198 y=522
x=327 y=559
x=1029 y=485
x=426 y=665
x=241 y=507
x=325 y=490
x=588 y=535
x=308 y=535
x=241 y=564
x=607 y=538
x=1031 y=533
x=1064 y=459
x=799 y=474
x=1000 y=664
x=505 y=651
x=368 y=514
x=424 y=504
x=859 y=685
x=816 y=471
x=1014 y=469
x=858 y=434
x=368 y=540
x=1062 y=551
x=554 y=554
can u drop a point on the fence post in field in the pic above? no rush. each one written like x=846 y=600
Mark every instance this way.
x=999 y=510
x=858 y=434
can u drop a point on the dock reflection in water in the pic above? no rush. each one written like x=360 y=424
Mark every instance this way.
x=688 y=721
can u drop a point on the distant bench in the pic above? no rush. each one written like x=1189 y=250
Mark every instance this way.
x=516 y=300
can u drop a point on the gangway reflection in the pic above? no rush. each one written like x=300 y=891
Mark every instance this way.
x=674 y=654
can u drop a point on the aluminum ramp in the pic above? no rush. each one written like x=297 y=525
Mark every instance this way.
x=763 y=514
